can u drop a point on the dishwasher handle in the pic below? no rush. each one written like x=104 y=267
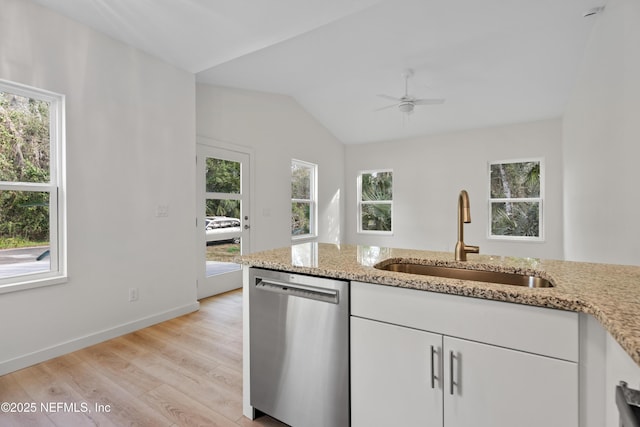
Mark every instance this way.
x=628 y=402
x=301 y=291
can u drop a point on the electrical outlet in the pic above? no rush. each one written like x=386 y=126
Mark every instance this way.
x=133 y=294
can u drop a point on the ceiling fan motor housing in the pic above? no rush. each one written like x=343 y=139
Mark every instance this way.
x=406 y=106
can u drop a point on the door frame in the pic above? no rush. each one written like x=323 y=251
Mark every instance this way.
x=226 y=281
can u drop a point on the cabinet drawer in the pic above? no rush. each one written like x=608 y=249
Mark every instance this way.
x=536 y=330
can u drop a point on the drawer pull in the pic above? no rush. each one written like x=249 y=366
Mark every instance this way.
x=451 y=382
x=434 y=377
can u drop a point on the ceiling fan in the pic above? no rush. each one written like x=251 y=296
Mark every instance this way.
x=407 y=103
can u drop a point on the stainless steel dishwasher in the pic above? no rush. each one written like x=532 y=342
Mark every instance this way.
x=299 y=348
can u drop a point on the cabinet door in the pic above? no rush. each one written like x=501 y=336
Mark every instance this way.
x=495 y=387
x=391 y=371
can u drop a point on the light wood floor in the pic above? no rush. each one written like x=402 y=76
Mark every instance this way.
x=183 y=372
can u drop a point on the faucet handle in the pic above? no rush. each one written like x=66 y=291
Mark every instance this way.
x=470 y=249
x=462 y=250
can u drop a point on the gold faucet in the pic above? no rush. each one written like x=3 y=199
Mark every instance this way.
x=464 y=215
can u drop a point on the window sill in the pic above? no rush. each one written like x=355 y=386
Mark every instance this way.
x=32 y=284
x=304 y=239
x=377 y=233
x=517 y=239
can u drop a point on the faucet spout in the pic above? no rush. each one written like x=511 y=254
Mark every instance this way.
x=464 y=207
x=464 y=216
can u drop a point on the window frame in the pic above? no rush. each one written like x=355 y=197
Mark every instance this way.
x=540 y=200
x=360 y=203
x=55 y=187
x=312 y=201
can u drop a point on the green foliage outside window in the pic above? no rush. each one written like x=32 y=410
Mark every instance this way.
x=515 y=199
x=375 y=201
x=24 y=157
x=222 y=176
x=223 y=207
x=301 y=198
x=300 y=182
x=515 y=180
x=515 y=219
x=300 y=218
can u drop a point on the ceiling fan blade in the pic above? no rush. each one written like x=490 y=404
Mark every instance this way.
x=387 y=107
x=392 y=98
x=428 y=101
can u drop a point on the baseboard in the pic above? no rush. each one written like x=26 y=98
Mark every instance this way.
x=30 y=359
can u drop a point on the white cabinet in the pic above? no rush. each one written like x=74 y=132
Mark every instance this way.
x=494 y=386
x=405 y=372
x=391 y=373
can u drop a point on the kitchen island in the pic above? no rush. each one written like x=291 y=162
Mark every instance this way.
x=608 y=293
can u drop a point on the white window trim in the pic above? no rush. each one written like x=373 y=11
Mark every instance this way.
x=540 y=200
x=313 y=205
x=55 y=187
x=359 y=204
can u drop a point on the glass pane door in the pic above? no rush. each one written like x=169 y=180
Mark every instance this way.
x=224 y=216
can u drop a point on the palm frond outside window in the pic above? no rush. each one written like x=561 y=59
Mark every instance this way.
x=515 y=199
x=375 y=201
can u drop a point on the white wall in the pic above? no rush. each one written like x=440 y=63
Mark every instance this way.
x=430 y=171
x=601 y=151
x=277 y=129
x=130 y=122
x=602 y=143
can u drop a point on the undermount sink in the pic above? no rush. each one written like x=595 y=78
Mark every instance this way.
x=465 y=274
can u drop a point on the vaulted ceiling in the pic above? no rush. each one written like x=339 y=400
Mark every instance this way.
x=493 y=61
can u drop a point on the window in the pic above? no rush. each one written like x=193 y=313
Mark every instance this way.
x=31 y=199
x=515 y=200
x=303 y=199
x=375 y=201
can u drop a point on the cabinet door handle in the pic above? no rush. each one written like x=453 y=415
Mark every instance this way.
x=451 y=382
x=434 y=377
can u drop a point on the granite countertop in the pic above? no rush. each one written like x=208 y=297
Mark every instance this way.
x=611 y=293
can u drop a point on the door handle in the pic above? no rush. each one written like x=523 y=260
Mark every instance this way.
x=247 y=226
x=451 y=370
x=434 y=377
